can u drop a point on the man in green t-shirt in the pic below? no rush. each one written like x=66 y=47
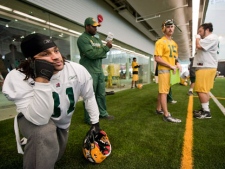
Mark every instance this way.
x=92 y=51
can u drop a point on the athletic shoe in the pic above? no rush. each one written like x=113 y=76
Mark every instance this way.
x=190 y=93
x=197 y=113
x=171 y=119
x=108 y=117
x=110 y=93
x=173 y=102
x=204 y=115
x=159 y=112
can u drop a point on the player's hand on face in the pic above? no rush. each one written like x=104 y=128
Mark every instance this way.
x=43 y=69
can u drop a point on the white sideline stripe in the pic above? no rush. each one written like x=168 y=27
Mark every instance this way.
x=218 y=103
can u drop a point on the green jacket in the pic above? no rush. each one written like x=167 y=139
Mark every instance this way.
x=92 y=52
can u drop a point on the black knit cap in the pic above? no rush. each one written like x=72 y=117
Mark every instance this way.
x=33 y=44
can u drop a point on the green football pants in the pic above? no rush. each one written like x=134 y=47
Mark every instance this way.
x=169 y=96
x=99 y=89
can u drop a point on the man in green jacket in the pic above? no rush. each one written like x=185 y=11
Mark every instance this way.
x=92 y=51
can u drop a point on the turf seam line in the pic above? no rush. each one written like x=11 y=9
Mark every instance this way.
x=187 y=158
x=217 y=103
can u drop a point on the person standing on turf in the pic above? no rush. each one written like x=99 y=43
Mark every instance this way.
x=92 y=51
x=205 y=63
x=135 y=67
x=166 y=56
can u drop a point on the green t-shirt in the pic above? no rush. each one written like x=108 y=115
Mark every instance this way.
x=92 y=52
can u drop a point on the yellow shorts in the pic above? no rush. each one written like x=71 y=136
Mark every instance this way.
x=164 y=82
x=135 y=77
x=204 y=80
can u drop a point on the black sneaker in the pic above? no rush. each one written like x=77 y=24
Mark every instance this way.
x=197 y=113
x=205 y=115
x=159 y=112
x=108 y=117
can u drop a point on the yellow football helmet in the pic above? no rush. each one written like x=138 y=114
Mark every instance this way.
x=98 y=148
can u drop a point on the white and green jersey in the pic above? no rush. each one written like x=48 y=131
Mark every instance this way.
x=56 y=100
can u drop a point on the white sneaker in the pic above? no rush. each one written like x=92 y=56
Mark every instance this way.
x=171 y=119
x=173 y=102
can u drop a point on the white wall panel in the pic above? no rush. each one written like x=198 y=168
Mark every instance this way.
x=79 y=10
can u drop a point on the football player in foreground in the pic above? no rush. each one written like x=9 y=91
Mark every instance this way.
x=45 y=89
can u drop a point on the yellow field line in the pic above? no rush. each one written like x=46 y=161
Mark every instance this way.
x=187 y=160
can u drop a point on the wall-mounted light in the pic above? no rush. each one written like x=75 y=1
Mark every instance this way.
x=29 y=16
x=57 y=26
x=6 y=25
x=75 y=32
x=5 y=8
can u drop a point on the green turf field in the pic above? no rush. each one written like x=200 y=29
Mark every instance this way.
x=141 y=139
